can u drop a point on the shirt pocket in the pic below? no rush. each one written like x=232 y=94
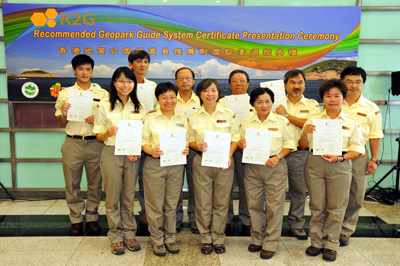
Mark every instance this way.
x=223 y=127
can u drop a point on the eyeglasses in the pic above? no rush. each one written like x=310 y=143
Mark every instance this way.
x=129 y=82
x=239 y=81
x=187 y=79
x=357 y=82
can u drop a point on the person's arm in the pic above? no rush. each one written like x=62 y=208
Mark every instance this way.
x=62 y=119
x=111 y=131
x=303 y=141
x=374 y=145
x=298 y=122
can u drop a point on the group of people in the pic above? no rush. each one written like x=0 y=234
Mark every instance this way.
x=335 y=184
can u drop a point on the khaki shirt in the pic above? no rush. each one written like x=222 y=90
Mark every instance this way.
x=155 y=123
x=75 y=128
x=193 y=103
x=106 y=118
x=282 y=132
x=368 y=116
x=302 y=109
x=222 y=120
x=351 y=131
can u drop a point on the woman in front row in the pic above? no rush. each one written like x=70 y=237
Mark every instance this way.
x=119 y=172
x=328 y=177
x=162 y=185
x=212 y=186
x=265 y=185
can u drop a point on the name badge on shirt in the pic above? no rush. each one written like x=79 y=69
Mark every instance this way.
x=361 y=114
x=135 y=112
x=179 y=125
x=96 y=100
x=221 y=121
x=304 y=111
x=273 y=129
x=345 y=128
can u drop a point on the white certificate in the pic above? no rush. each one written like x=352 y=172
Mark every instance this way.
x=145 y=93
x=81 y=105
x=186 y=112
x=128 y=140
x=258 y=146
x=278 y=88
x=239 y=104
x=172 y=143
x=217 y=154
x=327 y=137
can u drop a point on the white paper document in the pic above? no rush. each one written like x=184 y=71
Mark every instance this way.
x=239 y=104
x=217 y=154
x=278 y=88
x=128 y=140
x=145 y=93
x=327 y=137
x=258 y=146
x=172 y=143
x=81 y=105
x=186 y=112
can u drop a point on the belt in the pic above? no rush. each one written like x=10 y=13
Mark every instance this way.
x=81 y=137
x=343 y=152
x=299 y=149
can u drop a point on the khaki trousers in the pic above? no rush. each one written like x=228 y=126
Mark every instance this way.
x=119 y=178
x=212 y=189
x=77 y=153
x=328 y=186
x=357 y=193
x=265 y=191
x=162 y=188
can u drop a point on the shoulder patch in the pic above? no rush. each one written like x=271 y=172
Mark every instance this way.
x=234 y=116
x=288 y=124
x=377 y=112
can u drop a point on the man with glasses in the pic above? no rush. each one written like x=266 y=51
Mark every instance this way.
x=369 y=117
x=299 y=108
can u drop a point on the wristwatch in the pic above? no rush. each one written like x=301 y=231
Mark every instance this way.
x=280 y=158
x=377 y=161
x=287 y=115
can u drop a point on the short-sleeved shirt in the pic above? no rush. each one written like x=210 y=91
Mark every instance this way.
x=106 y=118
x=193 y=103
x=155 y=123
x=222 y=120
x=75 y=128
x=282 y=132
x=368 y=116
x=302 y=109
x=352 y=139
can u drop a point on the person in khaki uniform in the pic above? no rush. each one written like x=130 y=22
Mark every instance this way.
x=81 y=148
x=187 y=103
x=327 y=176
x=119 y=172
x=162 y=185
x=299 y=108
x=369 y=117
x=266 y=184
x=212 y=186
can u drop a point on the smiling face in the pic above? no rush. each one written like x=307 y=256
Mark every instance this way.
x=333 y=99
x=167 y=101
x=263 y=105
x=210 y=95
x=354 y=85
x=83 y=73
x=124 y=86
x=140 y=66
x=238 y=84
x=295 y=86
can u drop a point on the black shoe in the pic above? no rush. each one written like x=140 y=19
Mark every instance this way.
x=76 y=229
x=313 y=251
x=194 y=229
x=93 y=228
x=246 y=229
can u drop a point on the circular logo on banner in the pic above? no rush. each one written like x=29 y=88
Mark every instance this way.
x=30 y=90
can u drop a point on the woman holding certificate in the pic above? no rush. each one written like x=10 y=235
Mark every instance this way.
x=212 y=185
x=164 y=139
x=328 y=175
x=265 y=181
x=119 y=172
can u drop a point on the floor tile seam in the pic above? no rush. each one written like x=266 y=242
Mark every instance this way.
x=77 y=246
x=361 y=253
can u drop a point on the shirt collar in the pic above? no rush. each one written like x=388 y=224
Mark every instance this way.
x=271 y=117
x=341 y=114
x=303 y=100
x=91 y=88
x=193 y=97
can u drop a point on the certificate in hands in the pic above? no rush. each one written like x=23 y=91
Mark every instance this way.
x=327 y=137
x=217 y=154
x=258 y=146
x=278 y=88
x=145 y=93
x=172 y=143
x=239 y=104
x=129 y=137
x=81 y=105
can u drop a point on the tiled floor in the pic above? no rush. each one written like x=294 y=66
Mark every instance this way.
x=36 y=233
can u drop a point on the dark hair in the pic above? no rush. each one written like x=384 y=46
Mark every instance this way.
x=113 y=90
x=182 y=68
x=293 y=73
x=354 y=71
x=138 y=54
x=81 y=59
x=164 y=87
x=204 y=84
x=332 y=83
x=260 y=91
x=239 y=71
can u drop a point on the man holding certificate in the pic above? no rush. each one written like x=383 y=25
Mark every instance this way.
x=187 y=103
x=369 y=117
x=265 y=181
x=80 y=146
x=238 y=102
x=328 y=176
x=119 y=171
x=164 y=140
x=212 y=185
x=299 y=108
